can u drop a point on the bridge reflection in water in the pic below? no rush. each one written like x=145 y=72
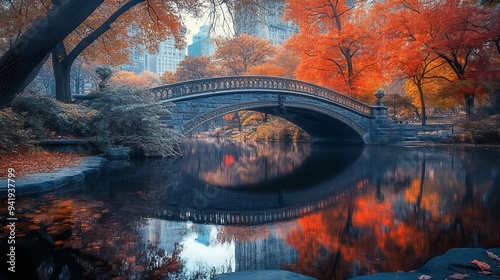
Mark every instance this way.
x=358 y=210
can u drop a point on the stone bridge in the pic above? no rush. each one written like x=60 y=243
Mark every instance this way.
x=326 y=115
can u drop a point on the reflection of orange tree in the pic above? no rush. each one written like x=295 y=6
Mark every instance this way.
x=399 y=232
x=318 y=252
x=361 y=235
x=250 y=167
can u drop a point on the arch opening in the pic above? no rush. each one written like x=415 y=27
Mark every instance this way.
x=320 y=126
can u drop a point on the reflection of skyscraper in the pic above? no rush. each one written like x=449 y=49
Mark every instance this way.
x=264 y=22
x=202 y=44
x=268 y=253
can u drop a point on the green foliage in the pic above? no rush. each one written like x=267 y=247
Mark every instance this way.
x=15 y=135
x=130 y=119
x=481 y=131
x=47 y=117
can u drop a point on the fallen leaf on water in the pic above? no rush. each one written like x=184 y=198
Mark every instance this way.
x=424 y=277
x=492 y=256
x=482 y=265
x=458 y=276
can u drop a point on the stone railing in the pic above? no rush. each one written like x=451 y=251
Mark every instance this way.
x=219 y=85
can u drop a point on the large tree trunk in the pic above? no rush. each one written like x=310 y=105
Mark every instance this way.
x=64 y=61
x=31 y=47
x=63 y=82
x=469 y=104
x=62 y=73
x=422 y=102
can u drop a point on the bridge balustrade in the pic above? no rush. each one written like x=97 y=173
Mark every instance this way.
x=258 y=83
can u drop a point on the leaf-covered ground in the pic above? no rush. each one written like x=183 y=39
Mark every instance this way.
x=29 y=162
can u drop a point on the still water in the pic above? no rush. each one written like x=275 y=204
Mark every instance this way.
x=327 y=212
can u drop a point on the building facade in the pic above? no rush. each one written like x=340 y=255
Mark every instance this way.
x=166 y=59
x=202 y=43
x=265 y=22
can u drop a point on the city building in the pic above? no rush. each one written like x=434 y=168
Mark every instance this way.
x=202 y=44
x=265 y=22
x=136 y=63
x=166 y=59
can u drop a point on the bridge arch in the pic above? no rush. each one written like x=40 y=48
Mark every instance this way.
x=324 y=113
x=298 y=113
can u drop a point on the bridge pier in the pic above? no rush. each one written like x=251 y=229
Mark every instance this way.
x=382 y=129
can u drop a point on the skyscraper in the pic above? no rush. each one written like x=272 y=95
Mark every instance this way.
x=202 y=44
x=167 y=58
x=265 y=22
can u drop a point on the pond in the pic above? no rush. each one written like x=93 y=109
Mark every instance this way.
x=325 y=211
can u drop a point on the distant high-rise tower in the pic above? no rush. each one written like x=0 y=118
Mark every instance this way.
x=166 y=59
x=136 y=63
x=202 y=44
x=265 y=22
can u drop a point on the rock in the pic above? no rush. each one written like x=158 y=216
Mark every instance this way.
x=41 y=182
x=262 y=275
x=117 y=153
x=442 y=267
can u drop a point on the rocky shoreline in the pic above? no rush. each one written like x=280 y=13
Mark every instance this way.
x=41 y=182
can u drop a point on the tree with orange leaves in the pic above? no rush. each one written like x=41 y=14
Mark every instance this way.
x=193 y=68
x=283 y=64
x=34 y=40
x=113 y=29
x=236 y=55
x=420 y=42
x=332 y=43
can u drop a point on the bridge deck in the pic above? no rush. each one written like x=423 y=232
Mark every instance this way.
x=226 y=85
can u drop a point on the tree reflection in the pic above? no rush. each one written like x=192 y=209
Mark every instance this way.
x=100 y=243
x=392 y=227
x=231 y=164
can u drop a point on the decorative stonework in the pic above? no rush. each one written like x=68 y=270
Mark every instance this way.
x=225 y=85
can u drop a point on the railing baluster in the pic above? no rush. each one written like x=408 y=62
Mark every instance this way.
x=242 y=82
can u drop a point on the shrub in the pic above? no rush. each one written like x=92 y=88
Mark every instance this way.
x=46 y=116
x=130 y=119
x=480 y=131
x=14 y=136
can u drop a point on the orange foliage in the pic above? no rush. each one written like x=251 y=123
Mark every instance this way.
x=333 y=43
x=283 y=64
x=29 y=162
x=129 y=79
x=193 y=68
x=236 y=55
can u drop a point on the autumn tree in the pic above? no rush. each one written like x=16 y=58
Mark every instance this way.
x=114 y=28
x=399 y=104
x=193 y=68
x=332 y=43
x=236 y=55
x=125 y=79
x=167 y=78
x=282 y=64
x=31 y=46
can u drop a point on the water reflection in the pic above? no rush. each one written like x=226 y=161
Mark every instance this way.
x=225 y=164
x=389 y=209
